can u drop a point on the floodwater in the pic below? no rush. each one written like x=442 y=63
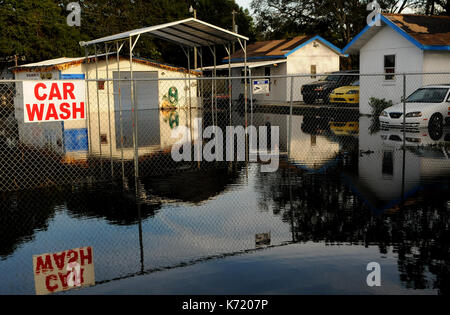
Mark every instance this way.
x=349 y=195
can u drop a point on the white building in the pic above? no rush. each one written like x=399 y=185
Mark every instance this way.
x=101 y=131
x=403 y=43
x=299 y=55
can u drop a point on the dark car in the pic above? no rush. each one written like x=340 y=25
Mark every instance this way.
x=322 y=89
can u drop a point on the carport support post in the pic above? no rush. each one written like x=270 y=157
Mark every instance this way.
x=251 y=96
x=98 y=111
x=228 y=49
x=120 y=111
x=200 y=52
x=109 y=109
x=189 y=76
x=134 y=112
x=86 y=52
x=244 y=48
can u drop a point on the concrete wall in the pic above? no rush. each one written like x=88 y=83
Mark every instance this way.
x=409 y=58
x=300 y=62
x=436 y=61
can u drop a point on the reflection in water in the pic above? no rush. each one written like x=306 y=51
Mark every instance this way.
x=340 y=186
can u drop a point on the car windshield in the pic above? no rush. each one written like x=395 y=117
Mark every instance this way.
x=356 y=83
x=428 y=95
x=330 y=78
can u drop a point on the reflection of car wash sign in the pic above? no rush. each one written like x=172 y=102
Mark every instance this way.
x=53 y=101
x=262 y=239
x=63 y=271
x=261 y=87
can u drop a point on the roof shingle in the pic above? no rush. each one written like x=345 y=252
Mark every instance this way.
x=427 y=30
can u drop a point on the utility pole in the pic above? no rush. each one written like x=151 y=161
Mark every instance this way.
x=234 y=28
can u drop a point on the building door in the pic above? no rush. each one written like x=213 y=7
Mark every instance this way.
x=147 y=104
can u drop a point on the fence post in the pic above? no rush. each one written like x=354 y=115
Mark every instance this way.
x=404 y=139
x=290 y=118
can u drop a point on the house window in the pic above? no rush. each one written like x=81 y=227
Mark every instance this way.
x=313 y=71
x=389 y=66
x=267 y=71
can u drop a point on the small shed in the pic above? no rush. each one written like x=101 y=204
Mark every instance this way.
x=403 y=43
x=299 y=55
x=109 y=119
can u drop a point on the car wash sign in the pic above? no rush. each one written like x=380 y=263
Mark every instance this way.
x=63 y=271
x=48 y=101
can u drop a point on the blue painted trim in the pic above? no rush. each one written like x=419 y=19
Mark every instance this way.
x=72 y=76
x=401 y=32
x=436 y=47
x=317 y=37
x=356 y=38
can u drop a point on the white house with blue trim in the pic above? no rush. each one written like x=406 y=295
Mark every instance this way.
x=300 y=55
x=403 y=43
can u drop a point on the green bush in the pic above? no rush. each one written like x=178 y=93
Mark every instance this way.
x=378 y=105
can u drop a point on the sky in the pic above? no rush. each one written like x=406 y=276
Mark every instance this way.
x=244 y=3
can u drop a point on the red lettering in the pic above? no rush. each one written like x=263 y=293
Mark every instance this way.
x=59 y=260
x=36 y=111
x=82 y=275
x=87 y=257
x=63 y=279
x=68 y=89
x=47 y=283
x=78 y=110
x=36 y=91
x=54 y=92
x=65 y=108
x=51 y=112
x=43 y=266
x=74 y=256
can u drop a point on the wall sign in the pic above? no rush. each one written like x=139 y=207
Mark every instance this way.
x=261 y=87
x=47 y=101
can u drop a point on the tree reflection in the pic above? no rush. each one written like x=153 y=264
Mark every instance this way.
x=326 y=209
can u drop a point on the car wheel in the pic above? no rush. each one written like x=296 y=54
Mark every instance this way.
x=436 y=122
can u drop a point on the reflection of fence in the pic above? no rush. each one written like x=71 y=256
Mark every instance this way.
x=103 y=146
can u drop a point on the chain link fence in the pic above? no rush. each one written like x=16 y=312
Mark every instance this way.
x=123 y=139
x=64 y=185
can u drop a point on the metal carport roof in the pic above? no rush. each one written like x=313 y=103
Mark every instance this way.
x=250 y=65
x=189 y=32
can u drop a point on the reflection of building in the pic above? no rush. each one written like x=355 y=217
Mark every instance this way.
x=101 y=131
x=381 y=181
x=311 y=146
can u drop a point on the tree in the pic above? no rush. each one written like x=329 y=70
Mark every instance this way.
x=37 y=30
